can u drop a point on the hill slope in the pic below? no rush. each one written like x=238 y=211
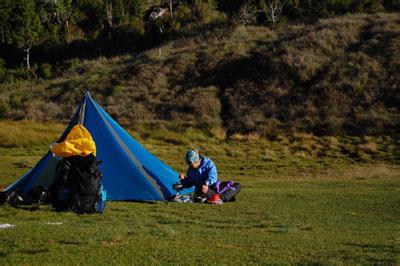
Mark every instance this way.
x=338 y=76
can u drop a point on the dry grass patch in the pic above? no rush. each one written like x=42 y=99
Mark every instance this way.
x=28 y=133
x=335 y=77
x=359 y=172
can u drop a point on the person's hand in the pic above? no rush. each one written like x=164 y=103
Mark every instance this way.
x=181 y=176
x=204 y=189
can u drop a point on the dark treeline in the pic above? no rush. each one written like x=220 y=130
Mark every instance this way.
x=38 y=36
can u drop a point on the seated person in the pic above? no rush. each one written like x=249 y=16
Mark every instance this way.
x=202 y=173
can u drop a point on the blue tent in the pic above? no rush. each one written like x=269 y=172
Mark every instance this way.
x=130 y=172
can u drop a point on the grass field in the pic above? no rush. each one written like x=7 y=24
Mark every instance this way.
x=305 y=200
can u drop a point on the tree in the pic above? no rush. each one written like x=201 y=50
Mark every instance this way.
x=5 y=14
x=27 y=29
x=136 y=8
x=61 y=12
x=91 y=15
x=115 y=12
x=120 y=12
x=392 y=4
x=273 y=8
x=109 y=13
x=247 y=14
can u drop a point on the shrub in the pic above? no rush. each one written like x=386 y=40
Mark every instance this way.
x=247 y=14
x=16 y=100
x=45 y=71
x=2 y=69
x=206 y=13
x=41 y=110
x=137 y=26
x=19 y=74
x=373 y=6
x=4 y=107
x=206 y=106
x=118 y=89
x=74 y=63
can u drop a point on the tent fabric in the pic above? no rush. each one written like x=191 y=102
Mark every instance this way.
x=130 y=172
x=78 y=142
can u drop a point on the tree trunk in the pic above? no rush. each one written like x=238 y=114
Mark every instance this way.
x=159 y=48
x=274 y=8
x=170 y=9
x=272 y=12
x=27 y=51
x=3 y=35
x=67 y=30
x=109 y=14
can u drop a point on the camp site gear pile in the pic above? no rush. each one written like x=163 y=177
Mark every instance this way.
x=129 y=171
x=77 y=184
x=78 y=178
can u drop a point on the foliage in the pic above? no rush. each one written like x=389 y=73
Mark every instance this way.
x=273 y=9
x=60 y=12
x=67 y=27
x=45 y=71
x=4 y=107
x=2 y=69
x=136 y=8
x=247 y=14
x=26 y=27
x=5 y=14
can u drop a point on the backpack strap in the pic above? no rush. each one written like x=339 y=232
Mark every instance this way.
x=225 y=188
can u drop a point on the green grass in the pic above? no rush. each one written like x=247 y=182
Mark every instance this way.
x=295 y=207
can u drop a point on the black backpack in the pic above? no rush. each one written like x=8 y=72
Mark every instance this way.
x=77 y=184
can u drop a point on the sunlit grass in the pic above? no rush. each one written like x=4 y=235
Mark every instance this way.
x=294 y=208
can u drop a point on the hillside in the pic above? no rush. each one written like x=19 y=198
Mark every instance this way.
x=338 y=76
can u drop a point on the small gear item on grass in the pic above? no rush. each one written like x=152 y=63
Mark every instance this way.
x=215 y=200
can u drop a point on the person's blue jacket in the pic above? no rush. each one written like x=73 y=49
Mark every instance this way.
x=206 y=174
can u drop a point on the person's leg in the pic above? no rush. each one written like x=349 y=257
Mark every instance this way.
x=199 y=195
x=211 y=191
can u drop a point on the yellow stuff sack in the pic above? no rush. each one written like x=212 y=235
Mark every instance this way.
x=78 y=142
